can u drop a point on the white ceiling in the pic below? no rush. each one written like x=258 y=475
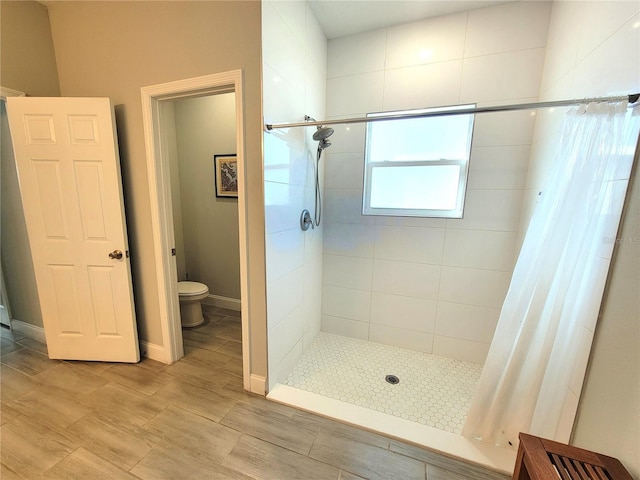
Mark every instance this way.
x=347 y=17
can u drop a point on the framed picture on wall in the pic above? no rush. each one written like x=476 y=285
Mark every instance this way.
x=226 y=172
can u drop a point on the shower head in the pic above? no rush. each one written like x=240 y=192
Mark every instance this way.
x=322 y=134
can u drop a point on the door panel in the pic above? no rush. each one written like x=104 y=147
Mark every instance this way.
x=89 y=179
x=101 y=279
x=69 y=176
x=48 y=185
x=64 y=288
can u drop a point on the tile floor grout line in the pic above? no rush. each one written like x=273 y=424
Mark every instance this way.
x=334 y=366
x=340 y=463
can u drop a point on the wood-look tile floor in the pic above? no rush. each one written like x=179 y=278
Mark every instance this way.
x=191 y=420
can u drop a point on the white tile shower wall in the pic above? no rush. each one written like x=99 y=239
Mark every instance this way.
x=294 y=83
x=432 y=285
x=593 y=50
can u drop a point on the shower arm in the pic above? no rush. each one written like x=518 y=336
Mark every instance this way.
x=309 y=121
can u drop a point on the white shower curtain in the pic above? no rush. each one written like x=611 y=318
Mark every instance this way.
x=557 y=284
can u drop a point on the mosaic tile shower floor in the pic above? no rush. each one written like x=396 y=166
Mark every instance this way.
x=434 y=391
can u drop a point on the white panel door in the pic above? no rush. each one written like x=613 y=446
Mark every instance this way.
x=69 y=174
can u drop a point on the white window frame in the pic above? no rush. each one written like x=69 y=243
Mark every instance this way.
x=456 y=212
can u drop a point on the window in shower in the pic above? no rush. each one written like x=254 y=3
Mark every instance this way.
x=417 y=166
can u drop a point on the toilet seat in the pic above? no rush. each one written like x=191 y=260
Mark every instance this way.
x=191 y=289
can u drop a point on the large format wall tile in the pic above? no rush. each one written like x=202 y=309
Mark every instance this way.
x=427 y=41
x=294 y=62
x=424 y=275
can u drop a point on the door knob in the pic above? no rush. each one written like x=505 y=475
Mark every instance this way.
x=116 y=254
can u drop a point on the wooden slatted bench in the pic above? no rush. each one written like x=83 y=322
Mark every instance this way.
x=541 y=459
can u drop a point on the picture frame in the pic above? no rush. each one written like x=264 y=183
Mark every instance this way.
x=226 y=175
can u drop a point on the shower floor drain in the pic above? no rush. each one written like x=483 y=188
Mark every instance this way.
x=392 y=379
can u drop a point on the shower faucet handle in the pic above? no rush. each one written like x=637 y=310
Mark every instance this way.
x=306 y=221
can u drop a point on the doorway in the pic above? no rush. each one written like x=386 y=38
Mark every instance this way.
x=162 y=210
x=199 y=139
x=199 y=133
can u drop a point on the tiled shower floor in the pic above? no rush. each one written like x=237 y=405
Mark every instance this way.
x=433 y=391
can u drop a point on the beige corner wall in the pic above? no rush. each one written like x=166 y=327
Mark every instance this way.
x=609 y=411
x=27 y=64
x=27 y=61
x=113 y=49
x=17 y=266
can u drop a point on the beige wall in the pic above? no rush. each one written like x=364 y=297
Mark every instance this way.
x=17 y=266
x=115 y=48
x=27 y=60
x=205 y=126
x=609 y=411
x=27 y=64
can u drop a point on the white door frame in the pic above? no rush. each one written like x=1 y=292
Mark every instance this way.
x=161 y=210
x=4 y=297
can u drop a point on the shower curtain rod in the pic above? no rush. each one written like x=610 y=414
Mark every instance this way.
x=632 y=98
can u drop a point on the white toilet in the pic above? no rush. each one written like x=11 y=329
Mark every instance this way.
x=191 y=294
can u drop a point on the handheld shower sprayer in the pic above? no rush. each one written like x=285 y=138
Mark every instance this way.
x=321 y=135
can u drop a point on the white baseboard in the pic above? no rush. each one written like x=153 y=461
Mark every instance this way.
x=31 y=331
x=258 y=384
x=149 y=350
x=4 y=316
x=153 y=351
x=223 y=302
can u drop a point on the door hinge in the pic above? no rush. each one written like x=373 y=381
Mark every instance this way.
x=173 y=252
